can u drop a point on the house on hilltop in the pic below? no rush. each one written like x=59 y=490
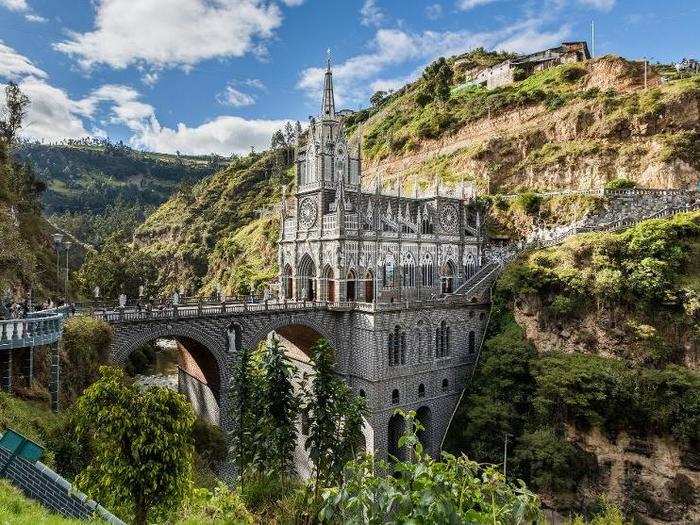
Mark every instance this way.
x=523 y=66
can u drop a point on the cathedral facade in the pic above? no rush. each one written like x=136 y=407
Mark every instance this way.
x=344 y=242
x=385 y=259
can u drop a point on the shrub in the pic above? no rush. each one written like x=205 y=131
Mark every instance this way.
x=620 y=183
x=209 y=442
x=529 y=202
x=86 y=343
x=423 y=98
x=452 y=490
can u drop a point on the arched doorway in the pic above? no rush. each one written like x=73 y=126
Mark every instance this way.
x=328 y=284
x=395 y=430
x=447 y=276
x=369 y=287
x=306 y=280
x=424 y=416
x=351 y=283
x=287 y=282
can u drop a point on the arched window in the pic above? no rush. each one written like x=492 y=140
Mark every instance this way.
x=388 y=272
x=427 y=223
x=445 y=385
x=408 y=271
x=426 y=270
x=396 y=347
x=469 y=266
x=421 y=390
x=362 y=393
x=472 y=342
x=395 y=397
x=287 y=282
x=442 y=340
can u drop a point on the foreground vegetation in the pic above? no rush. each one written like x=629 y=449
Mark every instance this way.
x=638 y=287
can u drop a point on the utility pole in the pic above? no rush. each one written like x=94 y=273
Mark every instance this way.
x=645 y=72
x=67 y=244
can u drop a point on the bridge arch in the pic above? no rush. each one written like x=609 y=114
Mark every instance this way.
x=202 y=358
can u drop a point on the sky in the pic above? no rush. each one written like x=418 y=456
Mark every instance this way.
x=219 y=76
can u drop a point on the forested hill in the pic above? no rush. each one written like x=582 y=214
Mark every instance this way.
x=96 y=188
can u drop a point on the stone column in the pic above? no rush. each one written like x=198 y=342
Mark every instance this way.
x=55 y=381
x=30 y=367
x=6 y=370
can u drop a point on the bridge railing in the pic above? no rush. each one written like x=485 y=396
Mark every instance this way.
x=119 y=315
x=34 y=331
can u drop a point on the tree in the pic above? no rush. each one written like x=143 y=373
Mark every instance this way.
x=288 y=134
x=377 y=98
x=277 y=140
x=280 y=407
x=141 y=443
x=335 y=417
x=117 y=268
x=245 y=413
x=437 y=78
x=16 y=103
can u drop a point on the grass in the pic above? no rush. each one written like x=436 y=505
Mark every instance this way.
x=16 y=509
x=30 y=418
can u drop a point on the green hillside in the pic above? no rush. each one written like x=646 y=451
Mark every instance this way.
x=212 y=233
x=95 y=188
x=572 y=126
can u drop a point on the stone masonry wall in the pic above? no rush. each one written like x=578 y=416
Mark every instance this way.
x=42 y=484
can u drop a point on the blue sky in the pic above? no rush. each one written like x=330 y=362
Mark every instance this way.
x=205 y=76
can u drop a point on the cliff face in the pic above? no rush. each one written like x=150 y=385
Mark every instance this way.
x=572 y=127
x=591 y=366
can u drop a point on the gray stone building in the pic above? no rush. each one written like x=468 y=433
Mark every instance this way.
x=390 y=258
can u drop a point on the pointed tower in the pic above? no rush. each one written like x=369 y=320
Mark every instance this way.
x=328 y=106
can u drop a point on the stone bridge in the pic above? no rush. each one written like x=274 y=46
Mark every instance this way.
x=436 y=344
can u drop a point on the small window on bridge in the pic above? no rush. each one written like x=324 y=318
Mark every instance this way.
x=362 y=393
x=472 y=342
x=445 y=385
x=421 y=390
x=395 y=397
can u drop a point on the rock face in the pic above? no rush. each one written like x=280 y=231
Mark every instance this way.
x=649 y=477
x=605 y=126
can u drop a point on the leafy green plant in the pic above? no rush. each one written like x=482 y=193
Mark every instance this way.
x=424 y=490
x=141 y=443
x=280 y=408
x=620 y=183
x=335 y=419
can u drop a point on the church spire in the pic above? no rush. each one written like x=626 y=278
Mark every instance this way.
x=328 y=109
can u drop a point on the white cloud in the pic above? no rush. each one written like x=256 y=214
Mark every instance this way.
x=51 y=115
x=466 y=5
x=433 y=11
x=35 y=18
x=357 y=77
x=125 y=108
x=603 y=5
x=233 y=97
x=292 y=3
x=167 y=33
x=14 y=66
x=223 y=135
x=15 y=5
x=371 y=14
